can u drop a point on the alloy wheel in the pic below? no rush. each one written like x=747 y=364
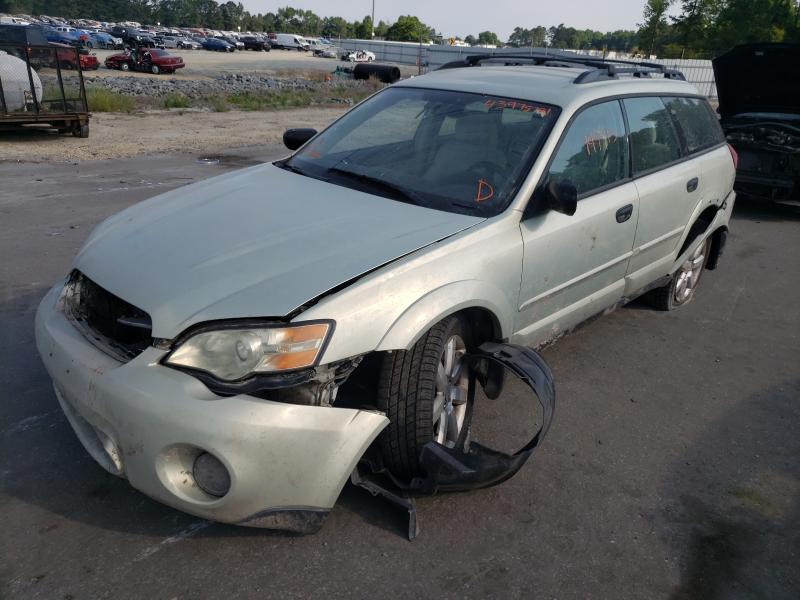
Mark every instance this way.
x=450 y=401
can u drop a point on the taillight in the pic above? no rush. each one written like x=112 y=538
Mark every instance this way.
x=734 y=156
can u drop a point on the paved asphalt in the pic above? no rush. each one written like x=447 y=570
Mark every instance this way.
x=672 y=469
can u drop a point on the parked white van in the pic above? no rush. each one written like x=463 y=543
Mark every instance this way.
x=289 y=41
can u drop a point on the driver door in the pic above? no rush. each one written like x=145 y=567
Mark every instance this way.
x=574 y=266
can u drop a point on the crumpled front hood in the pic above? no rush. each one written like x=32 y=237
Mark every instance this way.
x=259 y=242
x=758 y=78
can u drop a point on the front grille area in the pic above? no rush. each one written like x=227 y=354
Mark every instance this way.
x=115 y=326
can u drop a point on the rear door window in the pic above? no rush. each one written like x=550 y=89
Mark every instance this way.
x=594 y=153
x=654 y=141
x=697 y=124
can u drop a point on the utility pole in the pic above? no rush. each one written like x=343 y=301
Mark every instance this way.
x=372 y=34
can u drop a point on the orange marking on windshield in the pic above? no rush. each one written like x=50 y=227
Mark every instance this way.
x=485 y=191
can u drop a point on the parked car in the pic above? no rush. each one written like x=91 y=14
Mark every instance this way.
x=135 y=38
x=153 y=61
x=233 y=349
x=166 y=41
x=66 y=58
x=188 y=43
x=359 y=56
x=99 y=39
x=233 y=42
x=217 y=45
x=72 y=33
x=288 y=41
x=253 y=43
x=328 y=52
x=759 y=104
x=55 y=36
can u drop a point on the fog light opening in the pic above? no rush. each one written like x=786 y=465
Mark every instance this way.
x=211 y=475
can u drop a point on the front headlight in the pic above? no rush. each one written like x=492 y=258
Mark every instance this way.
x=233 y=354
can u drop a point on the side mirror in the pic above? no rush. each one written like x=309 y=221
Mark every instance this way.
x=294 y=138
x=562 y=196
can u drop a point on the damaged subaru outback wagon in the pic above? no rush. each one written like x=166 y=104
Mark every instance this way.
x=234 y=347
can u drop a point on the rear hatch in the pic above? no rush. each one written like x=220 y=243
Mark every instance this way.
x=758 y=78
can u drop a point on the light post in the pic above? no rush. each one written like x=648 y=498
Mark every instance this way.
x=372 y=23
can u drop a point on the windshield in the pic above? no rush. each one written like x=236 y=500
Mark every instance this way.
x=453 y=151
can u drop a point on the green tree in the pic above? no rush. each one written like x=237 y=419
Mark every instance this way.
x=408 y=29
x=489 y=38
x=655 y=23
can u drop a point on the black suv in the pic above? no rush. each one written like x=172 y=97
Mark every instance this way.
x=253 y=43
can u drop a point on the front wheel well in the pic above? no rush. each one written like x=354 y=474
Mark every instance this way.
x=361 y=387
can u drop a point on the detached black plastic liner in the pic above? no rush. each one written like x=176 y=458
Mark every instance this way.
x=468 y=465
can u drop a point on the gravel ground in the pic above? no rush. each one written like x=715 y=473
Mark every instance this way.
x=227 y=83
x=179 y=130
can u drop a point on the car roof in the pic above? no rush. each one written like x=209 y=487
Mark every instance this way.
x=550 y=85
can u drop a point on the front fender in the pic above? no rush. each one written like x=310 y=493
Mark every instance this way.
x=442 y=302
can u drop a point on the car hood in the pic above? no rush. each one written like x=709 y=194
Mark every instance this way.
x=759 y=78
x=259 y=242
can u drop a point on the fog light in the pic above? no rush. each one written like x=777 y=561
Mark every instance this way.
x=211 y=475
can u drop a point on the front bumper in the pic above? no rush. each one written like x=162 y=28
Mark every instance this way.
x=146 y=422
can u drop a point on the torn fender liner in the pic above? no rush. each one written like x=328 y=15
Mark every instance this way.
x=468 y=465
x=473 y=466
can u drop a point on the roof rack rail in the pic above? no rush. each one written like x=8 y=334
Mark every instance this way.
x=603 y=69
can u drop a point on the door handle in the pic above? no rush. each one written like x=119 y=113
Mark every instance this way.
x=691 y=185
x=624 y=213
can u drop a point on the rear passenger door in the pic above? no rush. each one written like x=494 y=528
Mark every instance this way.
x=574 y=266
x=667 y=185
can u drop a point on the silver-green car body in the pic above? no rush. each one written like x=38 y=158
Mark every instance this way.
x=274 y=245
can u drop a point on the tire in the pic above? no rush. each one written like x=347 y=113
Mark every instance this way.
x=409 y=393
x=81 y=131
x=154 y=69
x=124 y=66
x=681 y=289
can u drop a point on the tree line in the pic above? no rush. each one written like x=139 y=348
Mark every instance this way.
x=705 y=28
x=702 y=28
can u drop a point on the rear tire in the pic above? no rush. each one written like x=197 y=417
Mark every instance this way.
x=124 y=67
x=413 y=390
x=681 y=289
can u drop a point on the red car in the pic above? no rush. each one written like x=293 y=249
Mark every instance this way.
x=151 y=60
x=66 y=58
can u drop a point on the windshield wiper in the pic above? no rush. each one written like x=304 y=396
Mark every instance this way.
x=398 y=192
x=282 y=164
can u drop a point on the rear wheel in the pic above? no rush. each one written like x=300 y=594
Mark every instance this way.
x=424 y=394
x=124 y=66
x=684 y=283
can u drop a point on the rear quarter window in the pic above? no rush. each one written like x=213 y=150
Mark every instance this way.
x=695 y=121
x=654 y=139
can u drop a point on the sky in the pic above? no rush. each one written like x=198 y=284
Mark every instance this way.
x=464 y=17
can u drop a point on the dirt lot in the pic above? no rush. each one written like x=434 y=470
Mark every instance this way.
x=671 y=470
x=121 y=135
